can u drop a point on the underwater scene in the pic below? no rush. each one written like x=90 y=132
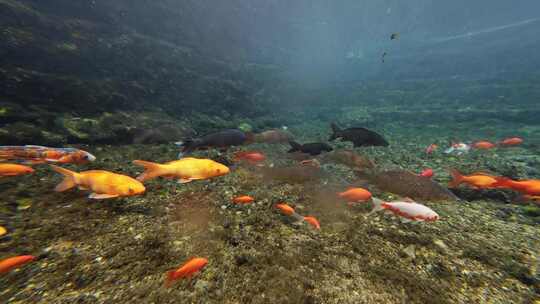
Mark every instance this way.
x=256 y=151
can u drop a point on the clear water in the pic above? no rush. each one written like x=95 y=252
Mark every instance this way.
x=125 y=80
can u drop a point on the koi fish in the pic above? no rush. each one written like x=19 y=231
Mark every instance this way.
x=355 y=195
x=3 y=231
x=40 y=154
x=408 y=211
x=186 y=169
x=529 y=187
x=476 y=180
x=313 y=222
x=188 y=270
x=9 y=264
x=512 y=141
x=483 y=145
x=244 y=199
x=459 y=148
x=285 y=209
x=14 y=170
x=427 y=173
x=252 y=157
x=103 y=184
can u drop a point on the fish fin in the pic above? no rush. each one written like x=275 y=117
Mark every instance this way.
x=457 y=178
x=35 y=146
x=52 y=160
x=70 y=178
x=180 y=155
x=94 y=195
x=294 y=146
x=377 y=205
x=408 y=200
x=179 y=143
x=185 y=180
x=151 y=170
x=405 y=220
x=169 y=280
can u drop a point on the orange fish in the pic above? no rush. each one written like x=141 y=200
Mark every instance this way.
x=188 y=270
x=427 y=173
x=9 y=264
x=313 y=222
x=186 y=169
x=252 y=157
x=512 y=141
x=528 y=187
x=477 y=180
x=103 y=184
x=356 y=195
x=285 y=209
x=14 y=169
x=2 y=231
x=243 y=199
x=483 y=145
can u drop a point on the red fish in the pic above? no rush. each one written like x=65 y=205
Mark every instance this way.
x=252 y=157
x=188 y=270
x=427 y=173
x=285 y=209
x=313 y=222
x=512 y=141
x=9 y=264
x=243 y=199
x=431 y=148
x=355 y=195
x=483 y=145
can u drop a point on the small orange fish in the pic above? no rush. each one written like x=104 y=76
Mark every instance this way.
x=243 y=199
x=313 y=222
x=285 y=209
x=427 y=173
x=2 y=231
x=103 y=184
x=431 y=148
x=356 y=195
x=512 y=141
x=479 y=180
x=9 y=264
x=252 y=157
x=483 y=145
x=188 y=270
x=14 y=170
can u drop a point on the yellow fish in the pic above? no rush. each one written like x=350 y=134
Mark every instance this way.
x=103 y=184
x=2 y=231
x=186 y=169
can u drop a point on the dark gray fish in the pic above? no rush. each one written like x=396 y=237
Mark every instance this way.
x=358 y=136
x=407 y=184
x=310 y=148
x=220 y=140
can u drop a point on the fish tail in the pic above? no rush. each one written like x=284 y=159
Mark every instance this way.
x=335 y=131
x=70 y=178
x=151 y=170
x=377 y=205
x=169 y=280
x=457 y=178
x=294 y=146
